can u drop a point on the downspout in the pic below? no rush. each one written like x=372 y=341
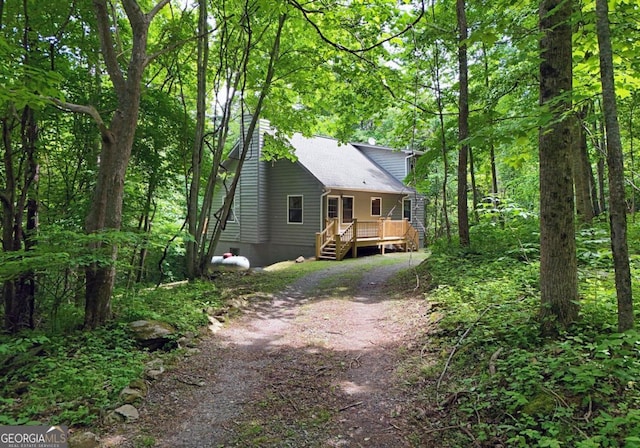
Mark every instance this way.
x=322 y=198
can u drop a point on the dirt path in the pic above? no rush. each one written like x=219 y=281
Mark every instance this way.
x=315 y=367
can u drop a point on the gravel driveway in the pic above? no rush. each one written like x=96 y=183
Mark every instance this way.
x=316 y=366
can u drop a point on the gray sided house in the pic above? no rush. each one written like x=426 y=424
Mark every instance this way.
x=334 y=199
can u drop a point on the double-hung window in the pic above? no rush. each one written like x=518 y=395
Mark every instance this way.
x=406 y=209
x=294 y=215
x=376 y=206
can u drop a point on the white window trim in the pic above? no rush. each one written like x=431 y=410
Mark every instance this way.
x=301 y=208
x=410 y=201
x=373 y=198
x=407 y=164
x=331 y=196
x=232 y=218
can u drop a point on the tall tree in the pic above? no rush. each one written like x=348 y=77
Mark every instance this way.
x=558 y=265
x=198 y=143
x=105 y=212
x=617 y=204
x=437 y=70
x=463 y=125
x=19 y=171
x=246 y=140
x=582 y=176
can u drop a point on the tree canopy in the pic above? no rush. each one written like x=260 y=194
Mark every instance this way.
x=97 y=88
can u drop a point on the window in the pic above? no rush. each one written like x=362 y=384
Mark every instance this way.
x=295 y=209
x=406 y=209
x=231 y=217
x=333 y=203
x=376 y=206
x=410 y=164
x=347 y=209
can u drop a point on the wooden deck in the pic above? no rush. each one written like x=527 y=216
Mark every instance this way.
x=334 y=242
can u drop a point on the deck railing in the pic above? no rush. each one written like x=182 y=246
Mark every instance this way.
x=346 y=239
x=326 y=236
x=357 y=233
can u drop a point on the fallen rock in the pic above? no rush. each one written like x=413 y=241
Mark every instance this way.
x=214 y=325
x=140 y=384
x=188 y=340
x=300 y=259
x=152 y=334
x=130 y=395
x=153 y=369
x=237 y=304
x=112 y=418
x=84 y=439
x=129 y=413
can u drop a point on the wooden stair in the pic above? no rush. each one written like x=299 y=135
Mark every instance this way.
x=328 y=252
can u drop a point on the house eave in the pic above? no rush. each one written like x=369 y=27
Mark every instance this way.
x=329 y=190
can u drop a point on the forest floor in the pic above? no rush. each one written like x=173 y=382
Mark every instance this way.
x=325 y=363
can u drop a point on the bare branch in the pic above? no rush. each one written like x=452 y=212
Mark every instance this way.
x=355 y=51
x=178 y=44
x=86 y=110
x=161 y=4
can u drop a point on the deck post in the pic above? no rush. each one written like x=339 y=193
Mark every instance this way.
x=318 y=244
x=355 y=238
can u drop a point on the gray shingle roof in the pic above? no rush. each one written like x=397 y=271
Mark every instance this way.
x=342 y=166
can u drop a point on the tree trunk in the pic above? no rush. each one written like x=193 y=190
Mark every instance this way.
x=192 y=249
x=581 y=172
x=117 y=141
x=18 y=198
x=492 y=149
x=248 y=133
x=442 y=130
x=558 y=266
x=602 y=153
x=617 y=204
x=463 y=126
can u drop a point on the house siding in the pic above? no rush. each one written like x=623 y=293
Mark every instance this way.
x=251 y=195
x=417 y=215
x=394 y=162
x=252 y=219
x=290 y=179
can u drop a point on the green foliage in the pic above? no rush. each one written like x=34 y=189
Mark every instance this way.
x=66 y=379
x=70 y=376
x=577 y=390
x=180 y=305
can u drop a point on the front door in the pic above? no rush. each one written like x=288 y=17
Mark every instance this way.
x=347 y=209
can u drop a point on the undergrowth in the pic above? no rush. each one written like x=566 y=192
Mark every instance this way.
x=69 y=376
x=497 y=382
